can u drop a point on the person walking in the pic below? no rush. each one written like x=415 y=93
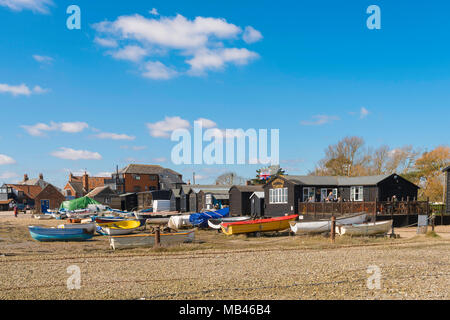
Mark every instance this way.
x=16 y=211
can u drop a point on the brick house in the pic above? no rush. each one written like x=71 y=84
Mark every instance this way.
x=50 y=197
x=79 y=186
x=143 y=177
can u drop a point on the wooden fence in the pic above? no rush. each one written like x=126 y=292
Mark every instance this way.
x=379 y=208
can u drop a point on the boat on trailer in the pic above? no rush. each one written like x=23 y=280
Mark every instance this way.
x=59 y=234
x=260 y=225
x=215 y=223
x=365 y=229
x=321 y=226
x=148 y=240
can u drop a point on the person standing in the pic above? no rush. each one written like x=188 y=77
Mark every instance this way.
x=16 y=210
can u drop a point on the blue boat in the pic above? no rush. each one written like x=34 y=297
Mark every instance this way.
x=59 y=234
x=201 y=219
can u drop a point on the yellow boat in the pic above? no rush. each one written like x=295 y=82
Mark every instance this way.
x=119 y=227
x=261 y=225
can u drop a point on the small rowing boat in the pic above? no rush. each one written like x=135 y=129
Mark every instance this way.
x=215 y=223
x=321 y=226
x=148 y=240
x=43 y=216
x=365 y=229
x=108 y=219
x=179 y=222
x=58 y=234
x=119 y=227
x=260 y=225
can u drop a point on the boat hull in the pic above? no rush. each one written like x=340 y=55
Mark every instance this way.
x=314 y=227
x=148 y=240
x=261 y=225
x=215 y=223
x=59 y=234
x=119 y=228
x=89 y=227
x=365 y=229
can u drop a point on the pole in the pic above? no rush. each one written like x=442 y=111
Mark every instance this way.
x=333 y=229
x=157 y=237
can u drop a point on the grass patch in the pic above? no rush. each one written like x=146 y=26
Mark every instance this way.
x=432 y=234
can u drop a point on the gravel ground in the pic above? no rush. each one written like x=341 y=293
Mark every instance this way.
x=217 y=267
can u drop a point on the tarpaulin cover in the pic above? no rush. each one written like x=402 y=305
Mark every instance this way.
x=201 y=219
x=80 y=203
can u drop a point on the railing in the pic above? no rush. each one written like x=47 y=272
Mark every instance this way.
x=375 y=207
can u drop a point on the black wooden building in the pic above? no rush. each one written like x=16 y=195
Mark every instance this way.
x=257 y=204
x=283 y=193
x=447 y=185
x=240 y=204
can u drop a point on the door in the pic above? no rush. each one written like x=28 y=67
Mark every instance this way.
x=45 y=205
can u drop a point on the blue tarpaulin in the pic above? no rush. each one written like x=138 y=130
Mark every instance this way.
x=201 y=219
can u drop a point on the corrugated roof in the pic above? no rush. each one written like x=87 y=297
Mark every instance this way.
x=249 y=188
x=337 y=181
x=77 y=186
x=96 y=191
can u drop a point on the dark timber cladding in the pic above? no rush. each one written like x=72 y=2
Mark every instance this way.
x=282 y=193
x=447 y=185
x=240 y=203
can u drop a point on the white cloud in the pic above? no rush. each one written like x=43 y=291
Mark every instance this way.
x=363 y=113
x=164 y=128
x=114 y=136
x=160 y=160
x=21 y=89
x=134 y=148
x=104 y=174
x=321 y=119
x=69 y=127
x=251 y=35
x=154 y=12
x=40 y=6
x=199 y=41
x=206 y=123
x=216 y=59
x=43 y=59
x=157 y=70
x=4 y=159
x=130 y=53
x=72 y=154
x=109 y=43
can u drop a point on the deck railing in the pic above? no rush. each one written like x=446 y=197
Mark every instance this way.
x=375 y=207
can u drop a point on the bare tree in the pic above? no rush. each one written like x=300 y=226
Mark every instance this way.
x=230 y=178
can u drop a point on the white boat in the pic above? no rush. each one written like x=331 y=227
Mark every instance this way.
x=89 y=227
x=148 y=240
x=325 y=225
x=179 y=222
x=215 y=223
x=365 y=229
x=43 y=216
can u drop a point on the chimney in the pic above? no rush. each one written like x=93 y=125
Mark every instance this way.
x=25 y=177
x=41 y=176
x=85 y=180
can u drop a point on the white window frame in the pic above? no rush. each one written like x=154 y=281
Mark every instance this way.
x=278 y=196
x=360 y=193
x=310 y=192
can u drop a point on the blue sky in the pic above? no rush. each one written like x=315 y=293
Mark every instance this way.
x=83 y=99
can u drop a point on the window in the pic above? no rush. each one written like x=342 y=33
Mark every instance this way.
x=356 y=194
x=278 y=195
x=309 y=192
x=137 y=177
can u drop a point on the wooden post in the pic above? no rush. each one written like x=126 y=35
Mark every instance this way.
x=157 y=237
x=333 y=228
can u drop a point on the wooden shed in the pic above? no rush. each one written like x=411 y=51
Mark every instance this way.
x=240 y=204
x=184 y=198
x=257 y=204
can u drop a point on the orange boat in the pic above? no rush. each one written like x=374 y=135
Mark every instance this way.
x=260 y=225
